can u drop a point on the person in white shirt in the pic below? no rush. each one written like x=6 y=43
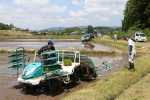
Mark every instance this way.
x=115 y=37
x=131 y=52
x=99 y=35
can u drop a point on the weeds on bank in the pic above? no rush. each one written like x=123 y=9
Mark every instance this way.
x=139 y=91
x=83 y=52
x=114 y=85
x=117 y=44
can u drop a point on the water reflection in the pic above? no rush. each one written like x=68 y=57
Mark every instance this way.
x=87 y=45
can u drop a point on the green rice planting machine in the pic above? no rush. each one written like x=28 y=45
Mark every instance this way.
x=53 y=67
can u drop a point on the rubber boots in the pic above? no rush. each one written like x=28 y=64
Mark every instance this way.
x=131 y=66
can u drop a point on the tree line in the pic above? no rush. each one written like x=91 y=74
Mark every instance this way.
x=89 y=29
x=5 y=26
x=136 y=15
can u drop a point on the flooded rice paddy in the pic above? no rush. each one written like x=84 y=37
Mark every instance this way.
x=58 y=45
x=10 y=89
x=33 y=40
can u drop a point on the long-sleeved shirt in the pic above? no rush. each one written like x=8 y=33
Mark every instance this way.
x=45 y=48
x=131 y=43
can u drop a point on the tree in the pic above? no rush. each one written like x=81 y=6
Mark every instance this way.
x=4 y=27
x=136 y=15
x=53 y=33
x=72 y=29
x=27 y=29
x=11 y=26
x=90 y=29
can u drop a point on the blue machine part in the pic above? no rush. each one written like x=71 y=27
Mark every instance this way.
x=106 y=65
x=32 y=70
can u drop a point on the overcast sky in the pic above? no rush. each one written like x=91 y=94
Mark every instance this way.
x=42 y=14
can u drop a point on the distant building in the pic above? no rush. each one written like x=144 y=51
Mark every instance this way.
x=36 y=33
x=23 y=29
x=84 y=32
x=74 y=33
x=14 y=28
x=50 y=33
x=107 y=32
x=95 y=32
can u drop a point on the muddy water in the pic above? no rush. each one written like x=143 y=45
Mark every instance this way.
x=11 y=90
x=58 y=45
x=27 y=40
x=108 y=65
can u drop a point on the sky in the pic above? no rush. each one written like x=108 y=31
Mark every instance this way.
x=42 y=14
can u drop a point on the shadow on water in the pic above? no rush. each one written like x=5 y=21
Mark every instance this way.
x=87 y=45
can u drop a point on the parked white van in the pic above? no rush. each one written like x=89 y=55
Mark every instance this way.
x=139 y=37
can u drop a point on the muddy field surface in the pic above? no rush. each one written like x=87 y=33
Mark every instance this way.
x=10 y=89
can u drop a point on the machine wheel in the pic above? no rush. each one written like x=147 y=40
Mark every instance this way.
x=76 y=76
x=27 y=87
x=136 y=40
x=55 y=85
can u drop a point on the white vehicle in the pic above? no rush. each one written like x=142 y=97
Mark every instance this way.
x=139 y=37
x=85 y=38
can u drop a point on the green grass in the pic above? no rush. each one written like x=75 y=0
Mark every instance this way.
x=114 y=85
x=83 y=52
x=138 y=91
x=11 y=34
x=117 y=44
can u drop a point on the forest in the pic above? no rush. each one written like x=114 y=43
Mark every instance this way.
x=136 y=15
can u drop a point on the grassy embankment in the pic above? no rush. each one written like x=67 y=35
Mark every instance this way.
x=83 y=52
x=12 y=34
x=119 y=85
x=138 y=91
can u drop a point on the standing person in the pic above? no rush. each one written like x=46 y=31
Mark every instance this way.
x=49 y=47
x=99 y=35
x=131 y=52
x=115 y=37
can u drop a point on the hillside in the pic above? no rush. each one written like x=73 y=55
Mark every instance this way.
x=14 y=33
x=81 y=27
